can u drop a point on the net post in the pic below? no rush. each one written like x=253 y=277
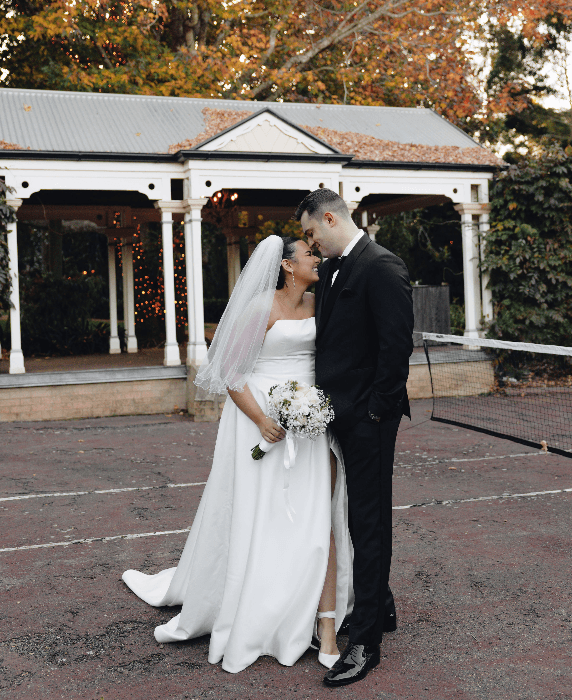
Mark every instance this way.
x=426 y=348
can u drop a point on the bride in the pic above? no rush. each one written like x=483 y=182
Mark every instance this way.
x=266 y=569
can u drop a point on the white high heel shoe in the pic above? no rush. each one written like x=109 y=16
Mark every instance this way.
x=327 y=660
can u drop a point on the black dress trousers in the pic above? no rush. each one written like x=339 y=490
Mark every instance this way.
x=368 y=450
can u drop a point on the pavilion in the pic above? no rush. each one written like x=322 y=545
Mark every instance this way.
x=121 y=161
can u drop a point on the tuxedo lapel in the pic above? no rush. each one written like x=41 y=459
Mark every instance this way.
x=326 y=305
x=321 y=291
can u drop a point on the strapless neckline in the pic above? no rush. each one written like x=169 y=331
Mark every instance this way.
x=291 y=320
x=289 y=346
x=287 y=320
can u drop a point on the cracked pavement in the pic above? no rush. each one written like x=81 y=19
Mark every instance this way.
x=482 y=586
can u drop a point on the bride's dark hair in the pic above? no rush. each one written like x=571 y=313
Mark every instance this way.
x=288 y=253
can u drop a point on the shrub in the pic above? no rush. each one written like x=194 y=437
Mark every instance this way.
x=457 y=317
x=56 y=316
x=429 y=243
x=151 y=332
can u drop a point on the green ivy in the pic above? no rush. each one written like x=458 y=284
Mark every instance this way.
x=529 y=250
x=7 y=216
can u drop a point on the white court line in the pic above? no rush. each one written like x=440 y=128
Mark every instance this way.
x=473 y=459
x=87 y=493
x=202 y=483
x=88 y=540
x=480 y=498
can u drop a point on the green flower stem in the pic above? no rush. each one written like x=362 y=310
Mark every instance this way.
x=257 y=453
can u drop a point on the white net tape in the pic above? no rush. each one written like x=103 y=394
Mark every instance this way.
x=501 y=344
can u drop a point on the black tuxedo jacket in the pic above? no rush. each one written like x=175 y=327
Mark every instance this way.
x=365 y=335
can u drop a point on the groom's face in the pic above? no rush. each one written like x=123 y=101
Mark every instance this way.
x=322 y=233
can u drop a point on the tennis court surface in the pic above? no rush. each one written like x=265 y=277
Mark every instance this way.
x=481 y=570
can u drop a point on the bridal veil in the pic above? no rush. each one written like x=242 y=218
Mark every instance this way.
x=240 y=333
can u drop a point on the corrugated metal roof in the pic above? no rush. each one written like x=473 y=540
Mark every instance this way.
x=45 y=120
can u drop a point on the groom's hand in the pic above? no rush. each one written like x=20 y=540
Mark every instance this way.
x=271 y=431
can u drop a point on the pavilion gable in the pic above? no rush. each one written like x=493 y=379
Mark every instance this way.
x=266 y=132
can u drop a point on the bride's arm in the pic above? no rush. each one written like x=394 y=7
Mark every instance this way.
x=246 y=402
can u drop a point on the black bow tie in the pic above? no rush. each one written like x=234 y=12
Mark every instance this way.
x=335 y=264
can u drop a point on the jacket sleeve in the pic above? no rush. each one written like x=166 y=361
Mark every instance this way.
x=390 y=300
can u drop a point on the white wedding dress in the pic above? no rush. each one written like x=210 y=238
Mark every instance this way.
x=250 y=575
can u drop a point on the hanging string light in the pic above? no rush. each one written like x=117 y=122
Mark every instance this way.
x=149 y=291
x=148 y=299
x=180 y=276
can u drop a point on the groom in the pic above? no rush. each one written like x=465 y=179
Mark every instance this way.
x=364 y=319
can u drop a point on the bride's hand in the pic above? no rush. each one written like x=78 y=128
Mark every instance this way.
x=271 y=431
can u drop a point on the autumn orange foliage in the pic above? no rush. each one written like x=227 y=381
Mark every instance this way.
x=365 y=147
x=376 y=52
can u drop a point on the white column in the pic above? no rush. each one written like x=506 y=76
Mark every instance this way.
x=486 y=294
x=233 y=261
x=16 y=355
x=129 y=296
x=114 y=347
x=372 y=229
x=352 y=206
x=172 y=356
x=196 y=347
x=125 y=283
x=470 y=271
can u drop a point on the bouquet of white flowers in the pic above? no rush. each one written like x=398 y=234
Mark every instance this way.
x=302 y=410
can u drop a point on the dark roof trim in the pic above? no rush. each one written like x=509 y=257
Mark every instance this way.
x=182 y=156
x=406 y=165
x=265 y=157
x=277 y=116
x=25 y=154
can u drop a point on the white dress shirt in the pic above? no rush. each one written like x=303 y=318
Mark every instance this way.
x=347 y=250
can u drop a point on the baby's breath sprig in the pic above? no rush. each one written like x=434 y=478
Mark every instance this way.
x=299 y=408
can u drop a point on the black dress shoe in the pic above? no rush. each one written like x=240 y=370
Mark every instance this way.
x=353 y=665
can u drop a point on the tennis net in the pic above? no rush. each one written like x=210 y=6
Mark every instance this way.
x=518 y=391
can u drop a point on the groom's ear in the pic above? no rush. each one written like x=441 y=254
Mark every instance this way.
x=329 y=218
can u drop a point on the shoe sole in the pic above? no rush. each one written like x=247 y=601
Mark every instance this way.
x=360 y=676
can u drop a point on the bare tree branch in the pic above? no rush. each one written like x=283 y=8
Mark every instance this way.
x=104 y=56
x=248 y=73
x=345 y=29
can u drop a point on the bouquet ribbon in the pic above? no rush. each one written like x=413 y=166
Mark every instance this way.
x=290 y=452
x=302 y=411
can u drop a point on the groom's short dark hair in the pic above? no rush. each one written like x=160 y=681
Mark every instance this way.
x=319 y=201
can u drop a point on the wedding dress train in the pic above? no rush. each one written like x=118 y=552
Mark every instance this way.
x=251 y=575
